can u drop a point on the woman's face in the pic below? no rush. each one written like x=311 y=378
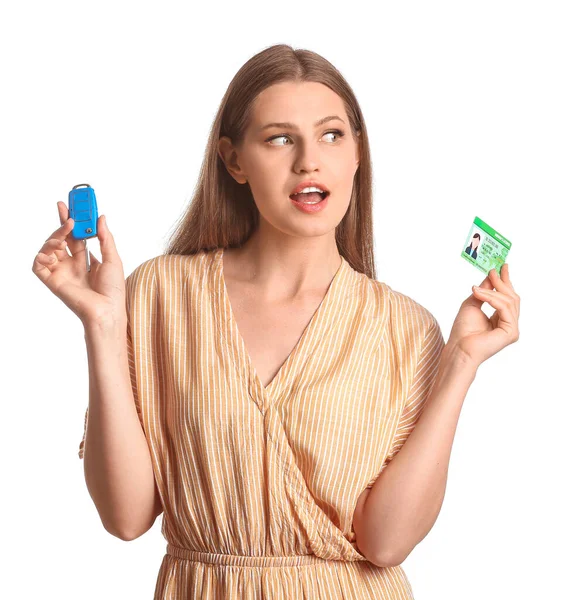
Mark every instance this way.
x=275 y=159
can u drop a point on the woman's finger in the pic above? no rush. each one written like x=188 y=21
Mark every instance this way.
x=56 y=248
x=503 y=279
x=76 y=247
x=486 y=283
x=41 y=265
x=503 y=285
x=107 y=243
x=497 y=282
x=505 y=276
x=501 y=302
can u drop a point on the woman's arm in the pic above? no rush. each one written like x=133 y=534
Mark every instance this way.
x=117 y=462
x=402 y=506
x=405 y=501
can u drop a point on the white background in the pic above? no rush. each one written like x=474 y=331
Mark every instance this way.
x=465 y=104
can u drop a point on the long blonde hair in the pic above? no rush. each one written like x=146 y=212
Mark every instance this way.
x=222 y=212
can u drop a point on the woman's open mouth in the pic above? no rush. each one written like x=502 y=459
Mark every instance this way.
x=310 y=202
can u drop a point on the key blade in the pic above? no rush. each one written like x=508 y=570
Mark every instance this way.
x=87 y=254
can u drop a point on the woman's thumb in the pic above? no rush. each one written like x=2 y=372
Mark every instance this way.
x=106 y=239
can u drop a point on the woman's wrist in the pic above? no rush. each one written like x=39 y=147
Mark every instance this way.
x=108 y=326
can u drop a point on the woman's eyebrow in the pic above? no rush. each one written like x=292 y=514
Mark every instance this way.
x=292 y=126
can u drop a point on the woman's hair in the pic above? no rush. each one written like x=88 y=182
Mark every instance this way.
x=222 y=212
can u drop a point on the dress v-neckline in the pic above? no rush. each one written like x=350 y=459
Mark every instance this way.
x=228 y=328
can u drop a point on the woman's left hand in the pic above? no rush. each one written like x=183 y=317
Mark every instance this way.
x=479 y=337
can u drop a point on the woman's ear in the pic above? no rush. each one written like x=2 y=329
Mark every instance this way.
x=229 y=157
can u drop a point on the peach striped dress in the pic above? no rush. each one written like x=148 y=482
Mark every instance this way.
x=259 y=484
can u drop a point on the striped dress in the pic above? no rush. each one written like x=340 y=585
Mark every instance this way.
x=259 y=484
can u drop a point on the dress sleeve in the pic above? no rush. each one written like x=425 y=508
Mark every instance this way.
x=422 y=382
x=136 y=290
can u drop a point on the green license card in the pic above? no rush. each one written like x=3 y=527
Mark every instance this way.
x=485 y=248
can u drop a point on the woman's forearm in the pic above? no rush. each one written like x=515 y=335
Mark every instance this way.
x=406 y=499
x=118 y=468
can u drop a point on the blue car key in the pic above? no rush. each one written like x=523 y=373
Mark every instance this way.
x=84 y=212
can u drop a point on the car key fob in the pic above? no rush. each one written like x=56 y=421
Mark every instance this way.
x=84 y=212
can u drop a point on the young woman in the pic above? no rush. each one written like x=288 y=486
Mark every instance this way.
x=254 y=382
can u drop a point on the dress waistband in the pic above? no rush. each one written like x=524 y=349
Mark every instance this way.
x=244 y=561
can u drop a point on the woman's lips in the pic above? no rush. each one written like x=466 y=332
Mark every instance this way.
x=309 y=197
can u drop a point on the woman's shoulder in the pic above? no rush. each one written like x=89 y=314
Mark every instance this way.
x=405 y=315
x=173 y=268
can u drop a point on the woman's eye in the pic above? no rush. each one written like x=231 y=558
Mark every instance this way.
x=277 y=138
x=337 y=133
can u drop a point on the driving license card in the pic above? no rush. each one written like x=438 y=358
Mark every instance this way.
x=485 y=248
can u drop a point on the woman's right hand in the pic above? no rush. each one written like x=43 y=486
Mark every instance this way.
x=95 y=296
